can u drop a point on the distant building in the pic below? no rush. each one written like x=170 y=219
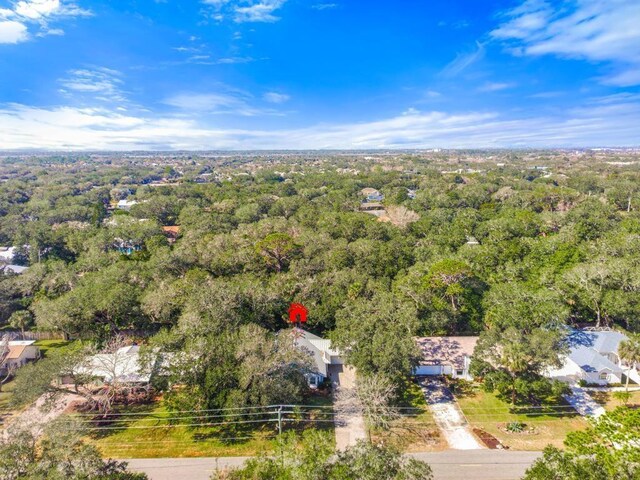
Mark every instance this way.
x=445 y=356
x=7 y=254
x=13 y=269
x=171 y=232
x=127 y=247
x=471 y=240
x=371 y=195
x=126 y=205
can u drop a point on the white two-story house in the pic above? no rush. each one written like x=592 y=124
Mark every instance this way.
x=593 y=358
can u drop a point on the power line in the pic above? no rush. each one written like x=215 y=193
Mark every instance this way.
x=202 y=411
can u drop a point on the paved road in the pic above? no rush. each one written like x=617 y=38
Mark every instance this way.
x=448 y=415
x=448 y=465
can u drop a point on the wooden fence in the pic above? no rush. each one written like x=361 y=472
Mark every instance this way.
x=17 y=335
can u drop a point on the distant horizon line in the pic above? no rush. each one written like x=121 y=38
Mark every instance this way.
x=334 y=150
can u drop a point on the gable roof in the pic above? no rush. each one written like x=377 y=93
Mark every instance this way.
x=605 y=341
x=591 y=361
x=16 y=351
x=369 y=191
x=172 y=229
x=446 y=350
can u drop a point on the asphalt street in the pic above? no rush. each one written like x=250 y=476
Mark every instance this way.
x=447 y=465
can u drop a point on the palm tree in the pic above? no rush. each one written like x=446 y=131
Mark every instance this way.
x=629 y=352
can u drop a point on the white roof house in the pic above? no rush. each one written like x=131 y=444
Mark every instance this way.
x=322 y=353
x=7 y=254
x=593 y=357
x=123 y=366
x=126 y=204
x=13 y=269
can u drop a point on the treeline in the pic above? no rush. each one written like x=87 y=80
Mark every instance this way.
x=512 y=252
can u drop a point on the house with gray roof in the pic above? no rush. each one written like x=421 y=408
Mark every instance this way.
x=593 y=358
x=326 y=360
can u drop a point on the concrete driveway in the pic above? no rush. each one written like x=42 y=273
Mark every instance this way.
x=448 y=415
x=584 y=404
x=349 y=423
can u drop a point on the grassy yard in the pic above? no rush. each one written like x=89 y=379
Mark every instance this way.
x=609 y=402
x=545 y=426
x=151 y=431
x=416 y=430
x=5 y=397
x=7 y=388
x=49 y=345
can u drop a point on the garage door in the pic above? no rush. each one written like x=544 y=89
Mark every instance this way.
x=429 y=370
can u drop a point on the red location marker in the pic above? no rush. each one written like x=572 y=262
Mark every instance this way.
x=298 y=313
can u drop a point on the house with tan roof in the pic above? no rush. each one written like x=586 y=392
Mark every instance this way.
x=445 y=356
x=17 y=353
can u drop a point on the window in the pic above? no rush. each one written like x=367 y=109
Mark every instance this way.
x=604 y=376
x=459 y=373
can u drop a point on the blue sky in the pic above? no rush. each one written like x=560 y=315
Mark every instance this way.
x=245 y=74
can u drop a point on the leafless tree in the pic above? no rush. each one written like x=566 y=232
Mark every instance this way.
x=375 y=394
x=401 y=216
x=118 y=370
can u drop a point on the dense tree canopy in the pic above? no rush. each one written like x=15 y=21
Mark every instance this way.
x=498 y=248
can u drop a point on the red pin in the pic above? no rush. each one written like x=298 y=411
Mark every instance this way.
x=298 y=313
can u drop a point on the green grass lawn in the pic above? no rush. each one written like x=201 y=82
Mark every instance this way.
x=152 y=434
x=416 y=430
x=548 y=425
x=49 y=345
x=609 y=402
x=7 y=389
x=5 y=397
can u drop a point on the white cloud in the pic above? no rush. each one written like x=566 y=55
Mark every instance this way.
x=275 y=97
x=96 y=83
x=324 y=6
x=258 y=12
x=37 y=13
x=226 y=102
x=608 y=121
x=495 y=86
x=36 y=9
x=244 y=11
x=463 y=61
x=12 y=32
x=594 y=30
x=52 y=31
